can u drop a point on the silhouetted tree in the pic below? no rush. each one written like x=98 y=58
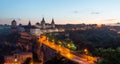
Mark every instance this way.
x=27 y=61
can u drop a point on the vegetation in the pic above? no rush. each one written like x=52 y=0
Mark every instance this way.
x=59 y=60
x=4 y=31
x=109 y=55
x=65 y=42
x=28 y=61
x=101 y=42
x=95 y=38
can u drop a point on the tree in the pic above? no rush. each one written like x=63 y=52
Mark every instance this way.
x=28 y=61
x=109 y=55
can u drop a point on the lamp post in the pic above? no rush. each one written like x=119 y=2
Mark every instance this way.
x=86 y=52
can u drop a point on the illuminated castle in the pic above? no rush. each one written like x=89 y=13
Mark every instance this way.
x=39 y=27
x=44 y=25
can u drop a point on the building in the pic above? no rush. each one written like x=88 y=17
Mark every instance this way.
x=44 y=25
x=29 y=24
x=5 y=29
x=13 y=26
x=13 y=23
x=52 y=23
x=40 y=27
x=17 y=58
x=25 y=41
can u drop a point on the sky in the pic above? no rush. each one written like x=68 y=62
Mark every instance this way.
x=63 y=11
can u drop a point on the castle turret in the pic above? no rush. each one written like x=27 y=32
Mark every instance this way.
x=52 y=23
x=14 y=26
x=43 y=23
x=13 y=23
x=29 y=24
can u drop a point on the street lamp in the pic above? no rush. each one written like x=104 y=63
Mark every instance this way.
x=68 y=45
x=86 y=52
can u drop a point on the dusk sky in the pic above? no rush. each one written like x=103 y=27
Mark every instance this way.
x=63 y=11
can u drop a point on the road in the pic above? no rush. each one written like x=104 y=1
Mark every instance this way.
x=63 y=51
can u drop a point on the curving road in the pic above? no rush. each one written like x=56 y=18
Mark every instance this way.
x=63 y=51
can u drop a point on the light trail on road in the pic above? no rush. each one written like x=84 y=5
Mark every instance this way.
x=64 y=51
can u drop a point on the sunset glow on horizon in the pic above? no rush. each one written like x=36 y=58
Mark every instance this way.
x=63 y=11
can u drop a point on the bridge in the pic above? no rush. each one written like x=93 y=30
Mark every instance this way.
x=65 y=52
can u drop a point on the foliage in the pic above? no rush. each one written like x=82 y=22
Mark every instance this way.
x=28 y=61
x=62 y=42
x=4 y=31
x=94 y=38
x=109 y=55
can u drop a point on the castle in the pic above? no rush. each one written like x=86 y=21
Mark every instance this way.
x=44 y=25
x=39 y=27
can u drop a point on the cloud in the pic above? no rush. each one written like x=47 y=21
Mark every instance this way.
x=17 y=19
x=8 y=20
x=111 y=20
x=75 y=12
x=4 y=21
x=95 y=12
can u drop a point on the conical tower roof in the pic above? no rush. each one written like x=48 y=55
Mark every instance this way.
x=29 y=24
x=52 y=21
x=43 y=20
x=14 y=21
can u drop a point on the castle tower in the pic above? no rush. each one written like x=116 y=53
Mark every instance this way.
x=29 y=24
x=13 y=23
x=43 y=23
x=14 y=26
x=52 y=23
x=20 y=24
